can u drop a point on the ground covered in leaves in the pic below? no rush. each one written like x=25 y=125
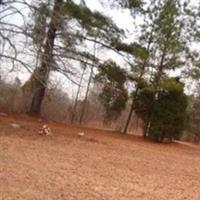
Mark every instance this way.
x=97 y=166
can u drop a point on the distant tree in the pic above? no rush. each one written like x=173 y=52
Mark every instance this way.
x=83 y=109
x=192 y=132
x=114 y=94
x=74 y=109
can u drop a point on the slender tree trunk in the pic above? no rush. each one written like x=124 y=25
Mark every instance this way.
x=41 y=74
x=148 y=119
x=77 y=95
x=156 y=84
x=88 y=88
x=86 y=97
x=136 y=92
x=129 y=115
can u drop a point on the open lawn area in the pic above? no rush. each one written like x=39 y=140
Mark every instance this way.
x=101 y=165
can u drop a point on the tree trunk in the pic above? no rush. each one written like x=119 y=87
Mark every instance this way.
x=86 y=97
x=77 y=95
x=129 y=117
x=37 y=100
x=133 y=100
x=136 y=92
x=147 y=122
x=39 y=78
x=156 y=84
x=88 y=85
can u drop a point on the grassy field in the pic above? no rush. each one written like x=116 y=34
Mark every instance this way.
x=100 y=165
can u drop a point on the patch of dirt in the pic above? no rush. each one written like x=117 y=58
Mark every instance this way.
x=98 y=166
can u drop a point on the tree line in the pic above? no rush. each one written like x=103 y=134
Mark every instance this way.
x=67 y=37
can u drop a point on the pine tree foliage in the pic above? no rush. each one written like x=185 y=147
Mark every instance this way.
x=133 y=5
x=96 y=24
x=169 y=114
x=161 y=46
x=113 y=95
x=38 y=27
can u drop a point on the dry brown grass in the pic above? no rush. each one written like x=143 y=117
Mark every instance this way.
x=100 y=165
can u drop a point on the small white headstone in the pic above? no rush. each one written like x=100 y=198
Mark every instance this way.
x=81 y=134
x=14 y=125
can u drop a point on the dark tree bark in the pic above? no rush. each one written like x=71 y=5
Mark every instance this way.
x=41 y=74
